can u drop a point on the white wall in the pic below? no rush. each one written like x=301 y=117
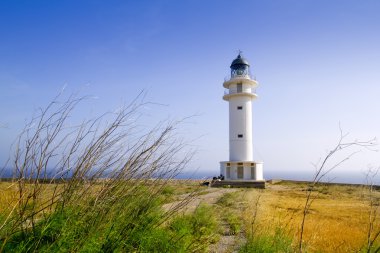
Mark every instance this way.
x=240 y=122
x=259 y=171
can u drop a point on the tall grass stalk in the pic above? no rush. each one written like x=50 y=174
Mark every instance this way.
x=94 y=186
x=373 y=232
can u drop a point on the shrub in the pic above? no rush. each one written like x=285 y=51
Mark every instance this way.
x=264 y=243
x=227 y=200
x=234 y=222
x=195 y=231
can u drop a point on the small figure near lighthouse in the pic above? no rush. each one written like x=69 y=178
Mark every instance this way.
x=240 y=93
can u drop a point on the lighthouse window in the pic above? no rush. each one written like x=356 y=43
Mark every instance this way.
x=240 y=107
x=239 y=87
x=240 y=136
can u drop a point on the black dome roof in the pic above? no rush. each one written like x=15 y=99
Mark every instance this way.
x=239 y=61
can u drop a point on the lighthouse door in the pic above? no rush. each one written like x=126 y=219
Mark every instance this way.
x=240 y=172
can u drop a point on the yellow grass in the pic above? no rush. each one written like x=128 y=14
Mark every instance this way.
x=337 y=221
x=8 y=197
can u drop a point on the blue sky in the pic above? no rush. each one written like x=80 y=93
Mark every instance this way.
x=317 y=63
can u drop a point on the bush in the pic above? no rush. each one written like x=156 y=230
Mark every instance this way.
x=234 y=222
x=194 y=232
x=228 y=199
x=279 y=242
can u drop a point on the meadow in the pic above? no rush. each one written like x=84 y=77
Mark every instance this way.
x=339 y=219
x=253 y=220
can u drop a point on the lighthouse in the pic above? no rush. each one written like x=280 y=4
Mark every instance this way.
x=240 y=93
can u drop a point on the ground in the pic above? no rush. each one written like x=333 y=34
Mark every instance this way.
x=337 y=221
x=228 y=241
x=341 y=218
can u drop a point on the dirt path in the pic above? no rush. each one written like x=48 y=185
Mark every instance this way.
x=228 y=241
x=210 y=197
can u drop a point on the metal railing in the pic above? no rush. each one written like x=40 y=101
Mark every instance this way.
x=229 y=92
x=245 y=76
x=227 y=78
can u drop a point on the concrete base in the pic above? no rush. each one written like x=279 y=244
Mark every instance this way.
x=239 y=184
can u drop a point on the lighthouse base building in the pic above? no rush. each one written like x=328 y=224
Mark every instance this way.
x=241 y=169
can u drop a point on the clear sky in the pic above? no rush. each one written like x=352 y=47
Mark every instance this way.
x=317 y=62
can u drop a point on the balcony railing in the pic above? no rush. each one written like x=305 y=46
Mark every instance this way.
x=227 y=78
x=229 y=92
x=247 y=76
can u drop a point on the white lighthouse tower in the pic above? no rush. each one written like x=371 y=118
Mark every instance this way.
x=240 y=93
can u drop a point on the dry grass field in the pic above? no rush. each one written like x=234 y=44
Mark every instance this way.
x=8 y=196
x=338 y=220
